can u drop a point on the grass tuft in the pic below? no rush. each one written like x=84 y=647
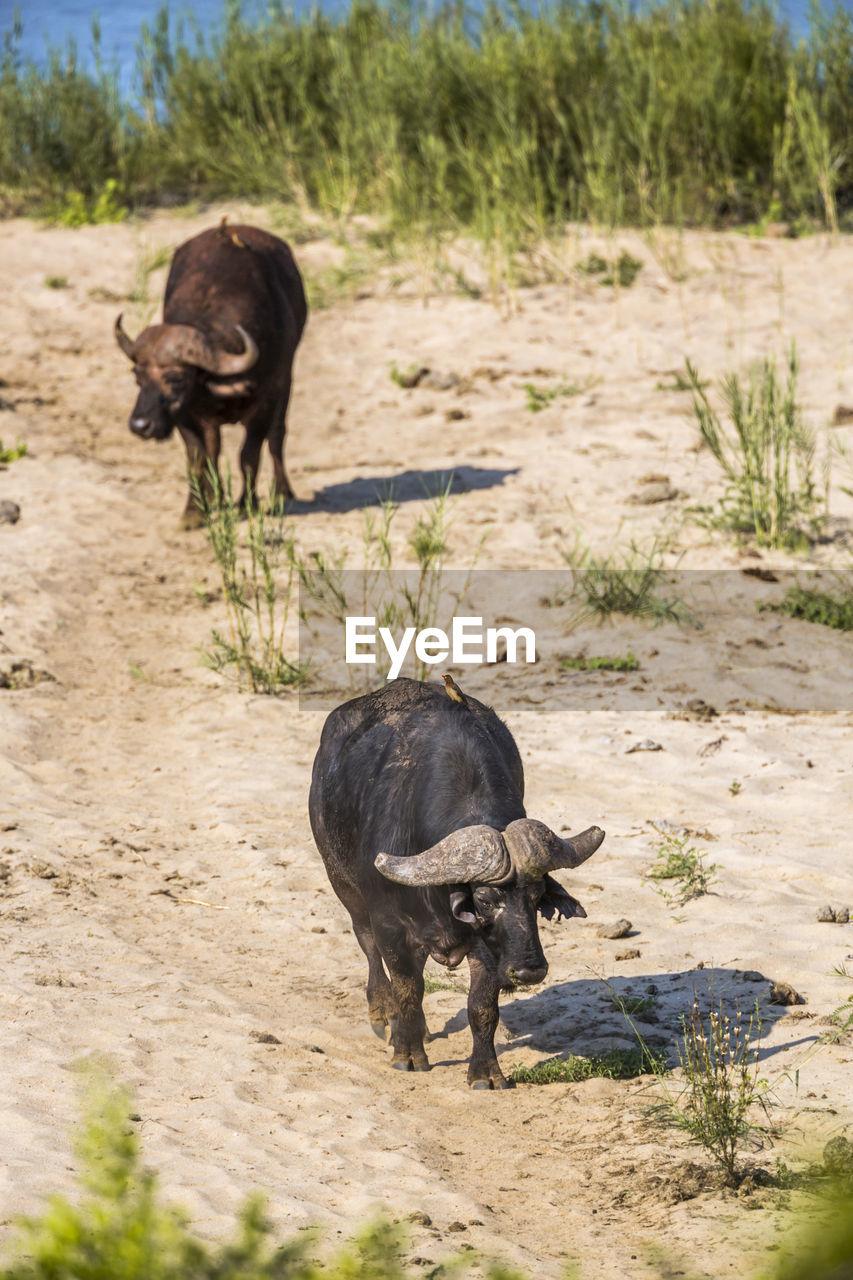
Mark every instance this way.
x=630 y=581
x=257 y=586
x=581 y=663
x=722 y=1085
x=12 y=453
x=616 y=1064
x=766 y=453
x=684 y=869
x=818 y=606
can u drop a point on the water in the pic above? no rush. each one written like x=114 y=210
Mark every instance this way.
x=55 y=22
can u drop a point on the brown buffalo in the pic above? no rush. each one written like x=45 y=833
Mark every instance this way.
x=233 y=315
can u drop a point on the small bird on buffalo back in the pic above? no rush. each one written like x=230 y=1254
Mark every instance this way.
x=453 y=689
x=231 y=233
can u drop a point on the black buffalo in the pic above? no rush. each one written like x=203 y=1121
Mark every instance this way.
x=417 y=809
x=233 y=315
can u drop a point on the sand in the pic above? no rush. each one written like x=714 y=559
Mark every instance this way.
x=164 y=902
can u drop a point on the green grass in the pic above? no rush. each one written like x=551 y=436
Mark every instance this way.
x=118 y=1227
x=722 y=1085
x=617 y=1064
x=766 y=453
x=500 y=120
x=580 y=663
x=822 y=607
x=538 y=398
x=684 y=871
x=258 y=584
x=630 y=580
x=12 y=453
x=623 y=272
x=633 y=1006
x=423 y=597
x=56 y=282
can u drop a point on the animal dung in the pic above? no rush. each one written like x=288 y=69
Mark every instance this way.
x=646 y=745
x=833 y=915
x=656 y=491
x=783 y=993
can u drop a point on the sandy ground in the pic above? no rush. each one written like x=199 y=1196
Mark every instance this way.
x=162 y=900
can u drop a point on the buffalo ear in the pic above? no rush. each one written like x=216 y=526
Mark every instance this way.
x=229 y=390
x=459 y=902
x=557 y=902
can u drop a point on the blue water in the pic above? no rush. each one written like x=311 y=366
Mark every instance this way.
x=55 y=22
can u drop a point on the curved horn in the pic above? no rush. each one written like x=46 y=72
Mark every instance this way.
x=225 y=362
x=474 y=854
x=535 y=849
x=191 y=346
x=126 y=343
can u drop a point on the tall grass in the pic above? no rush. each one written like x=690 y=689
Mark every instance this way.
x=495 y=118
x=766 y=453
x=258 y=584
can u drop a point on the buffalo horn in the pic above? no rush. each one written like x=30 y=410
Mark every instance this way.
x=224 y=363
x=535 y=849
x=126 y=343
x=473 y=855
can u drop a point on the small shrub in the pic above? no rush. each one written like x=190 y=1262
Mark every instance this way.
x=404 y=377
x=580 y=663
x=632 y=1006
x=79 y=210
x=396 y=598
x=538 y=398
x=441 y=984
x=679 y=383
x=257 y=604
x=12 y=453
x=625 y=271
x=593 y=265
x=56 y=282
x=118 y=1227
x=842 y=1017
x=735 y=788
x=682 y=864
x=818 y=1242
x=722 y=1085
x=818 y=606
x=766 y=454
x=631 y=581
x=616 y=1064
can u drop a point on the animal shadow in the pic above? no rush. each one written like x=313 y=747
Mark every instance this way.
x=407 y=486
x=584 y=1017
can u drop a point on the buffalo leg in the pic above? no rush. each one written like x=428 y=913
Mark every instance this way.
x=281 y=490
x=380 y=1001
x=202 y=445
x=483 y=1069
x=250 y=457
x=408 y=1025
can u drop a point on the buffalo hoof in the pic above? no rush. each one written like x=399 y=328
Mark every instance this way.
x=408 y=1064
x=192 y=518
x=492 y=1084
x=380 y=1029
